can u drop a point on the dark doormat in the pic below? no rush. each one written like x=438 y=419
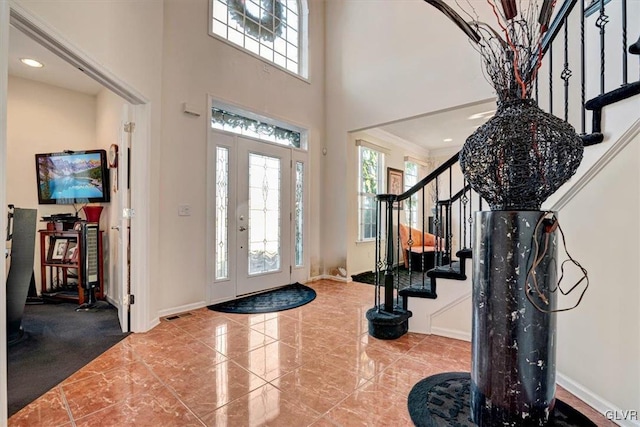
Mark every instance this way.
x=442 y=400
x=285 y=298
x=58 y=341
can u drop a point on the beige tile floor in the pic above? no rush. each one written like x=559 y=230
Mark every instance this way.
x=314 y=365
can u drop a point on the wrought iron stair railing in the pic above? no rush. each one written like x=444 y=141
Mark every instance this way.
x=452 y=213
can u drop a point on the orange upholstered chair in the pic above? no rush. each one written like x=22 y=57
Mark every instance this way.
x=421 y=243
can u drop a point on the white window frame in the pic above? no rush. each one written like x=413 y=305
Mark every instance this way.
x=409 y=181
x=303 y=41
x=362 y=194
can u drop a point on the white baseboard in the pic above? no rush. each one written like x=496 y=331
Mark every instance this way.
x=330 y=277
x=113 y=302
x=601 y=405
x=152 y=324
x=181 y=309
x=451 y=333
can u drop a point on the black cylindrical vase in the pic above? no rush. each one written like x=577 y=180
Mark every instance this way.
x=513 y=368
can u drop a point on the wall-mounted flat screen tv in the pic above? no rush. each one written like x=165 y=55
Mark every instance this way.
x=72 y=177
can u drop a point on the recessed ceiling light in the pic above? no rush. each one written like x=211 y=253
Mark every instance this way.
x=447 y=140
x=31 y=62
x=483 y=115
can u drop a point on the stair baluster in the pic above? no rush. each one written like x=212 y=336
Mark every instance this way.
x=378 y=249
x=601 y=23
x=397 y=257
x=566 y=72
x=449 y=210
x=625 y=79
x=583 y=111
x=388 y=274
x=551 y=79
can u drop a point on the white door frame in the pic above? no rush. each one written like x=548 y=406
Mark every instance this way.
x=10 y=12
x=4 y=53
x=299 y=273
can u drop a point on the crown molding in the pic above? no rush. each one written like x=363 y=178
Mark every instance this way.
x=398 y=142
x=445 y=151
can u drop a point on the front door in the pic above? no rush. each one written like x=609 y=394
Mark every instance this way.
x=252 y=215
x=263 y=216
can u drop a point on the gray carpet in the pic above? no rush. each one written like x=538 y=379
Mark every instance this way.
x=58 y=341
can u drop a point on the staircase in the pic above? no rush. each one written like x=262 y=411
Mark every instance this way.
x=447 y=210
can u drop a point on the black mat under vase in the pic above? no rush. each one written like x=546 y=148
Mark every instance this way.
x=284 y=298
x=442 y=400
x=58 y=341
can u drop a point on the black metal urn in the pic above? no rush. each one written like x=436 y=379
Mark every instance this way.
x=521 y=156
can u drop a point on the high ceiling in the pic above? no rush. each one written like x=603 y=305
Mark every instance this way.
x=56 y=72
x=430 y=131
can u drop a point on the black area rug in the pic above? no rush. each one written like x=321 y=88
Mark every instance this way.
x=442 y=400
x=285 y=298
x=400 y=274
x=58 y=341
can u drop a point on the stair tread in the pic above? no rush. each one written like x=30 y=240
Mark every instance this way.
x=464 y=253
x=613 y=96
x=592 y=138
x=447 y=271
x=418 y=292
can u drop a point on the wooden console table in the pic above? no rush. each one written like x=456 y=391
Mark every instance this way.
x=60 y=252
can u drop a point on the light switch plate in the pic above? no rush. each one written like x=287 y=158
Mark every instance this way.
x=184 y=210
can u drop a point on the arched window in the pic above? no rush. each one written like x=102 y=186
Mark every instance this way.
x=274 y=30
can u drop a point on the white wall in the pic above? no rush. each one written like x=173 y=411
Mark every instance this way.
x=196 y=65
x=598 y=344
x=385 y=61
x=455 y=322
x=43 y=119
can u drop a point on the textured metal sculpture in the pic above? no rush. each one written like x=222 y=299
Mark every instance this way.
x=521 y=156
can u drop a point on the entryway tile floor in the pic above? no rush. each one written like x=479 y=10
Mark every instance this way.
x=314 y=365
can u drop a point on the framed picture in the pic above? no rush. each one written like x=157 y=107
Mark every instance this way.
x=72 y=252
x=57 y=249
x=395 y=184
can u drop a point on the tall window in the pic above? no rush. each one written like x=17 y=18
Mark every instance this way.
x=371 y=165
x=411 y=204
x=270 y=29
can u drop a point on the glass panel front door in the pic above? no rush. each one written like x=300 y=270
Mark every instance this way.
x=263 y=216
x=264 y=213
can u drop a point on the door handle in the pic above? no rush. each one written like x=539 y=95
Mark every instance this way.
x=242 y=228
x=116 y=227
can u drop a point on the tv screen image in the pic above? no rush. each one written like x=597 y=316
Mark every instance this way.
x=72 y=177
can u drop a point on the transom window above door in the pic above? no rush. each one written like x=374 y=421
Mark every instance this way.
x=274 y=30
x=256 y=128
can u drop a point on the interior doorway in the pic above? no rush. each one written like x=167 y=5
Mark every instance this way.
x=136 y=111
x=14 y=15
